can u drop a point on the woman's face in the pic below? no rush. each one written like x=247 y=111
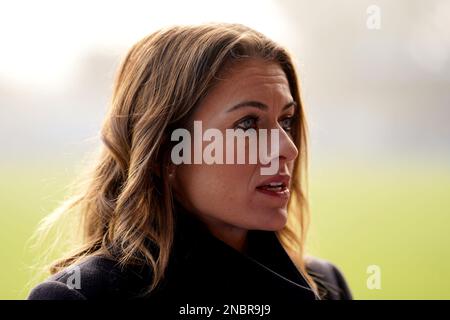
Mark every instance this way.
x=237 y=195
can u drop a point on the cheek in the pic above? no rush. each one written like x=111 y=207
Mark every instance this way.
x=214 y=189
x=291 y=165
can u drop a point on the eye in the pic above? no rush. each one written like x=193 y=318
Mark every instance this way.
x=247 y=123
x=286 y=124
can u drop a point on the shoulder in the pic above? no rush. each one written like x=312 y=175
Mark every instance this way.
x=329 y=279
x=97 y=277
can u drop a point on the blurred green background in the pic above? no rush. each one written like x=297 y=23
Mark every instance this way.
x=394 y=215
x=377 y=103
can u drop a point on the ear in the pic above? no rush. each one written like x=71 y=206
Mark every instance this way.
x=171 y=169
x=167 y=167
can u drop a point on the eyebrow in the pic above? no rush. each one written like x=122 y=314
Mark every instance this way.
x=259 y=105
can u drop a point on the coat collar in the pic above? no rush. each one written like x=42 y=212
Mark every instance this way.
x=202 y=266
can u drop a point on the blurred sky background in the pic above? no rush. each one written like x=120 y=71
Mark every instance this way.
x=377 y=101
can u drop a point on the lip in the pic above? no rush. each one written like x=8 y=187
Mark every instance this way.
x=283 y=178
x=280 y=178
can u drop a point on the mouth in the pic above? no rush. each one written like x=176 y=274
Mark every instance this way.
x=277 y=187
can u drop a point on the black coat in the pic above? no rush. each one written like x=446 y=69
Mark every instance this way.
x=202 y=268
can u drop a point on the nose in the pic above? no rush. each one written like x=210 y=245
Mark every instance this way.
x=288 y=149
x=282 y=151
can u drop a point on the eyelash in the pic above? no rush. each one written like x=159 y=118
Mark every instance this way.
x=256 y=119
x=240 y=122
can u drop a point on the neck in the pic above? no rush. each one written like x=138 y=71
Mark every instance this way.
x=233 y=236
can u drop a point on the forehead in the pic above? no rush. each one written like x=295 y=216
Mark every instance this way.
x=254 y=79
x=253 y=75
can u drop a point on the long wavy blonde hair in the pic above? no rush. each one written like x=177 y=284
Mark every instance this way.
x=124 y=206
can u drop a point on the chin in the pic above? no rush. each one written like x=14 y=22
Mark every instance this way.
x=276 y=220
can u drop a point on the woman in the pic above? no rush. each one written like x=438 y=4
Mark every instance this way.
x=160 y=229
